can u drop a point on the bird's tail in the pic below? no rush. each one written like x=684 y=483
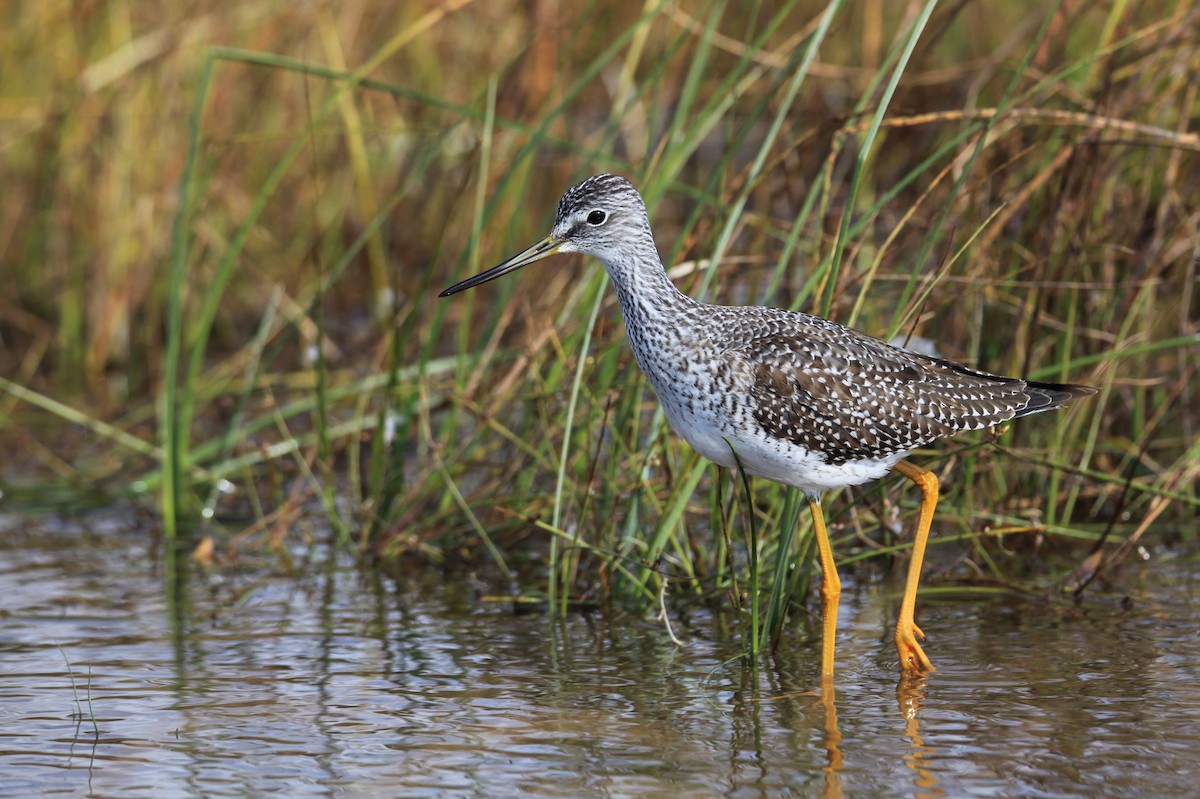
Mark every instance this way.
x=1048 y=396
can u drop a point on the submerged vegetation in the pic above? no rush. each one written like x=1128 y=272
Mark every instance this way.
x=223 y=238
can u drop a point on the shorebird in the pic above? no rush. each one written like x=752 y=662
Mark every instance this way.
x=787 y=396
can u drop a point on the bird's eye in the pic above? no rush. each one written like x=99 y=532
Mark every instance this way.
x=597 y=218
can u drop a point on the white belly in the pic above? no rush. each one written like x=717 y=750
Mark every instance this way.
x=774 y=459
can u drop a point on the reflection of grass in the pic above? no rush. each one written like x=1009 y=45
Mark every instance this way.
x=1014 y=187
x=80 y=715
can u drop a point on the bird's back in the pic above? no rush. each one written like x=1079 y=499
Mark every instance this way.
x=799 y=394
x=825 y=386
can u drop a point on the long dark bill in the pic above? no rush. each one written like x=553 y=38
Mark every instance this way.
x=546 y=247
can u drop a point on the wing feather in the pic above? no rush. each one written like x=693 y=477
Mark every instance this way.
x=828 y=388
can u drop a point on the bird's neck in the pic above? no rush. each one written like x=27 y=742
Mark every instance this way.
x=660 y=320
x=648 y=297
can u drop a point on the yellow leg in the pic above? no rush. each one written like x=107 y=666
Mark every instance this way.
x=831 y=590
x=912 y=657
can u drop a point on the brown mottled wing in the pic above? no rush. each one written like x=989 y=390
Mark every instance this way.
x=831 y=389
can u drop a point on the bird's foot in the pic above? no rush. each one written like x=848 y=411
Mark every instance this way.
x=912 y=656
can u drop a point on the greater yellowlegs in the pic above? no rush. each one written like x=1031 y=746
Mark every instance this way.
x=790 y=397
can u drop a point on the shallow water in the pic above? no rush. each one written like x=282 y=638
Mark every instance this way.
x=255 y=683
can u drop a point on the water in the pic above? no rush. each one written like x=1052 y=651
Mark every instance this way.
x=254 y=682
